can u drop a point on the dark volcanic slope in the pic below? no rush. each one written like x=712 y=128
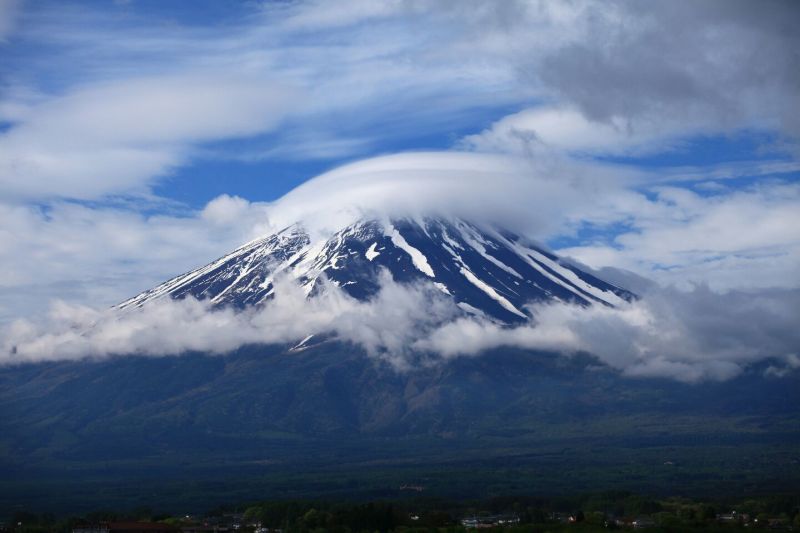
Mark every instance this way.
x=172 y=430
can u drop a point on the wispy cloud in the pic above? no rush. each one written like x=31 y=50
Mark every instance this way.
x=118 y=137
x=617 y=77
x=9 y=11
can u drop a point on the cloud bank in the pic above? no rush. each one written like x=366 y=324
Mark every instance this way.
x=688 y=336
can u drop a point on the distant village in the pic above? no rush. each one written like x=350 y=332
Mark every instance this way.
x=237 y=522
x=613 y=511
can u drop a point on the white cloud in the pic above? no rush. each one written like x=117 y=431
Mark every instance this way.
x=102 y=256
x=385 y=326
x=689 y=336
x=117 y=137
x=570 y=130
x=226 y=210
x=737 y=239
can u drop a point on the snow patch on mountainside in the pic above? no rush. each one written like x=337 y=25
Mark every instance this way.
x=417 y=257
x=371 y=252
x=472 y=278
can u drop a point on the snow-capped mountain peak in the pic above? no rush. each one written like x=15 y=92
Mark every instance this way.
x=486 y=270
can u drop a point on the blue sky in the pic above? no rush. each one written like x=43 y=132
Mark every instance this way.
x=139 y=139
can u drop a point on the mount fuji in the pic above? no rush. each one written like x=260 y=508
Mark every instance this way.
x=489 y=272
x=326 y=418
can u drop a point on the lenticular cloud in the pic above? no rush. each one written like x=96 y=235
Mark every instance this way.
x=534 y=195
